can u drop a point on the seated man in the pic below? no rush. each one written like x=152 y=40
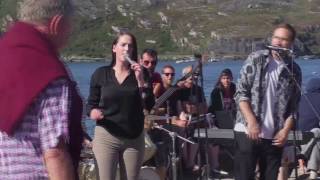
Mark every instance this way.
x=192 y=102
x=180 y=105
x=160 y=138
x=309 y=111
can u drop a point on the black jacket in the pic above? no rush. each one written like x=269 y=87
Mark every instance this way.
x=216 y=98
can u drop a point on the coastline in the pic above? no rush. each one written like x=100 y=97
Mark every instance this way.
x=163 y=58
x=176 y=58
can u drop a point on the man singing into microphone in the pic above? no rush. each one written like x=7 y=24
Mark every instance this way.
x=267 y=95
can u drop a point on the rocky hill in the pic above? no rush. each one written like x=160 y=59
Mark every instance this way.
x=219 y=27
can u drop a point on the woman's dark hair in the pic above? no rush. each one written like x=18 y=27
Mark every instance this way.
x=225 y=72
x=134 y=54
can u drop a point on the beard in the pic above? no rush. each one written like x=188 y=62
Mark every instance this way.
x=168 y=82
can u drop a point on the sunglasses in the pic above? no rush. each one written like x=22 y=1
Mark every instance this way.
x=167 y=74
x=146 y=63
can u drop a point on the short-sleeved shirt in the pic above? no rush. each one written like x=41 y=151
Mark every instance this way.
x=43 y=125
x=156 y=78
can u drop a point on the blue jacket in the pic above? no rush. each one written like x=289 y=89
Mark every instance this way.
x=309 y=108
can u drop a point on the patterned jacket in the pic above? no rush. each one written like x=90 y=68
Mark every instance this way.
x=251 y=87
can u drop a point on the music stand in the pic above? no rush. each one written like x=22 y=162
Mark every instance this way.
x=225 y=120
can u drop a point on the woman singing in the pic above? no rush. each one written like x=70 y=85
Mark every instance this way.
x=115 y=104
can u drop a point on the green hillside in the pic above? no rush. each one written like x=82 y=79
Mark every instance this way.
x=218 y=27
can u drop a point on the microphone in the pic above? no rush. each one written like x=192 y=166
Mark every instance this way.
x=279 y=49
x=127 y=58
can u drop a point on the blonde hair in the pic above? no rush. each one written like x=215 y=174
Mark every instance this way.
x=40 y=11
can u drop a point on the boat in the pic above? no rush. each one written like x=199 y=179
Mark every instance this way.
x=213 y=60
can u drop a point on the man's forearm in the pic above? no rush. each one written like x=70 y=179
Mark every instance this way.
x=288 y=125
x=247 y=112
x=59 y=165
x=157 y=90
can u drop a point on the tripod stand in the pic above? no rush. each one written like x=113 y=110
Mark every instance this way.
x=173 y=153
x=197 y=97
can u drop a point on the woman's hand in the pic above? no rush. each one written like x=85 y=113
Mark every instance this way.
x=138 y=73
x=96 y=114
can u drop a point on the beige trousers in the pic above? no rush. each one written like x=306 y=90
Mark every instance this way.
x=110 y=151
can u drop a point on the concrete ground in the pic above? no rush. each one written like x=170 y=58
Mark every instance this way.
x=87 y=171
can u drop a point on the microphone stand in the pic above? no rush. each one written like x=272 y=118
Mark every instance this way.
x=173 y=153
x=294 y=118
x=199 y=73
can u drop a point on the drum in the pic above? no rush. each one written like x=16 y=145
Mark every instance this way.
x=148 y=173
x=87 y=167
x=150 y=148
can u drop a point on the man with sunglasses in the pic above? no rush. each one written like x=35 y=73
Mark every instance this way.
x=168 y=74
x=190 y=101
x=160 y=138
x=193 y=99
x=149 y=59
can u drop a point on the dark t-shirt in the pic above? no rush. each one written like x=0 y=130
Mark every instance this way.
x=156 y=78
x=172 y=103
x=148 y=91
x=193 y=95
x=121 y=103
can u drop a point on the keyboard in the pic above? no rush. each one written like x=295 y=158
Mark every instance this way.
x=227 y=135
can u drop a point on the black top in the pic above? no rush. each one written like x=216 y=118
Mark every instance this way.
x=216 y=98
x=194 y=95
x=172 y=103
x=148 y=98
x=121 y=103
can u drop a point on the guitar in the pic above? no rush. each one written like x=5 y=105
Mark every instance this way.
x=202 y=118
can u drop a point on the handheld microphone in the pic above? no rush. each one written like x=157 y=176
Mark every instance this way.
x=127 y=58
x=279 y=49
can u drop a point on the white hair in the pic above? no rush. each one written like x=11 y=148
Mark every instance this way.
x=40 y=11
x=186 y=70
